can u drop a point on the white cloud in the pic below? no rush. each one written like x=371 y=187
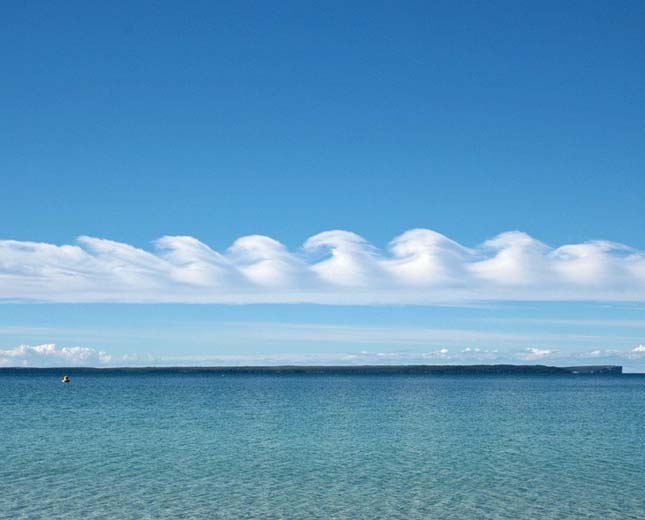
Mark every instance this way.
x=352 y=261
x=420 y=266
x=538 y=353
x=518 y=261
x=50 y=355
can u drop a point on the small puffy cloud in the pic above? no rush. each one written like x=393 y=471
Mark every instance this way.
x=51 y=355
x=640 y=349
x=538 y=353
x=420 y=266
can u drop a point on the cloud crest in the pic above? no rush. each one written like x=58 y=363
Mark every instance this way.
x=421 y=266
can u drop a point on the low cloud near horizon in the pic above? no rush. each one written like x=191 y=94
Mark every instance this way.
x=420 y=266
x=49 y=355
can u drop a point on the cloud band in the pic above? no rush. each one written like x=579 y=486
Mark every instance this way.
x=49 y=355
x=420 y=266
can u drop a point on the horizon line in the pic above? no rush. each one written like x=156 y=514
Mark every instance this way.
x=501 y=368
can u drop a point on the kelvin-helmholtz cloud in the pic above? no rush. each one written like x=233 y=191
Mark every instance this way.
x=335 y=267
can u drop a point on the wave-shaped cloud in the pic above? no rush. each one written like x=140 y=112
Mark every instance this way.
x=420 y=266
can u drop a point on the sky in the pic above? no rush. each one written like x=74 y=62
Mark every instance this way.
x=344 y=182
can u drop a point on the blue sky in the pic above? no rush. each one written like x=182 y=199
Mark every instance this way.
x=220 y=120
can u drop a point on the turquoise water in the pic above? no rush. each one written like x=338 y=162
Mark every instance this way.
x=321 y=446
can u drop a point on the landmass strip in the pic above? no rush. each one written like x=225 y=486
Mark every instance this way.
x=350 y=369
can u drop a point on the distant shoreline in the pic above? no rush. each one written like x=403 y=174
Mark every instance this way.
x=604 y=370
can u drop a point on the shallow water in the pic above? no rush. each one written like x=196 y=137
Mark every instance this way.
x=321 y=446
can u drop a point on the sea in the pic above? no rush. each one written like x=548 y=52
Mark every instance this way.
x=263 y=445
